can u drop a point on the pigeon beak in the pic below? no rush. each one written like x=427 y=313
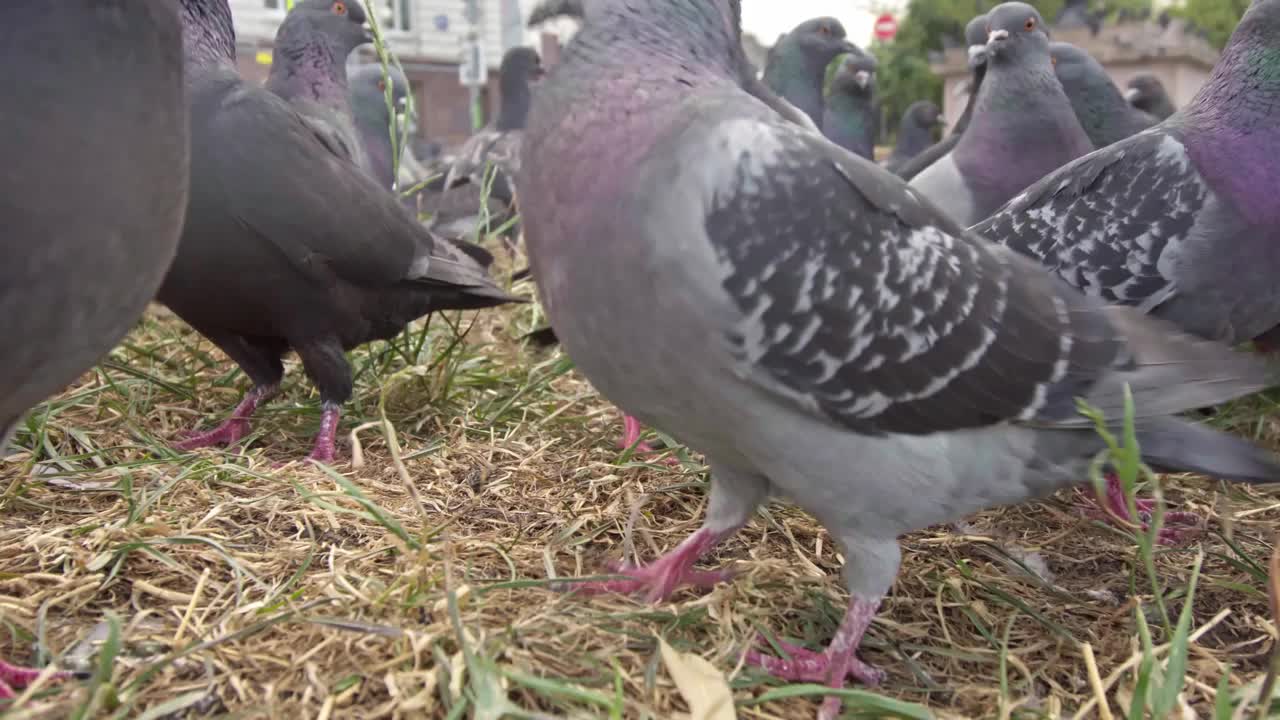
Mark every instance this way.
x=996 y=39
x=1131 y=94
x=863 y=78
x=402 y=104
x=368 y=33
x=977 y=56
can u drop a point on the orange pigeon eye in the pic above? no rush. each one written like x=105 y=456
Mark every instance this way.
x=382 y=84
x=1031 y=24
x=339 y=8
x=824 y=31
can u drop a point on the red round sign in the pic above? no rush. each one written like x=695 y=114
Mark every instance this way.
x=886 y=27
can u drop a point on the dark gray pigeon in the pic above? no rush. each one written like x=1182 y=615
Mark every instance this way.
x=828 y=335
x=796 y=68
x=850 y=116
x=1181 y=220
x=915 y=133
x=287 y=245
x=498 y=145
x=975 y=35
x=309 y=70
x=1022 y=127
x=1098 y=104
x=373 y=115
x=94 y=111
x=1147 y=93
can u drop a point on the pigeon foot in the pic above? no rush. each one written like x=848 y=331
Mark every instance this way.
x=659 y=579
x=833 y=665
x=1178 y=528
x=631 y=429
x=236 y=426
x=16 y=676
x=324 y=451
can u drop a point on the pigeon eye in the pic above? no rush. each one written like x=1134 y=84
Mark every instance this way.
x=382 y=84
x=824 y=31
x=1031 y=24
x=339 y=8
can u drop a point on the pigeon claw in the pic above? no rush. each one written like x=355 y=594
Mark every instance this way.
x=805 y=665
x=1178 y=527
x=228 y=433
x=662 y=577
x=16 y=676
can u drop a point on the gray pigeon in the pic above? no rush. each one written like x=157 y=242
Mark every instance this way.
x=829 y=335
x=850 y=116
x=975 y=35
x=373 y=116
x=1097 y=102
x=309 y=69
x=287 y=245
x=915 y=133
x=1181 y=220
x=94 y=111
x=1022 y=127
x=796 y=67
x=1147 y=93
x=498 y=145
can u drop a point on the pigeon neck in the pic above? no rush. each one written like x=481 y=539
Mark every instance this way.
x=208 y=36
x=791 y=76
x=1022 y=128
x=849 y=121
x=966 y=117
x=516 y=96
x=913 y=139
x=1230 y=126
x=1098 y=105
x=308 y=65
x=374 y=124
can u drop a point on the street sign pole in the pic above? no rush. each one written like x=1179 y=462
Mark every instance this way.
x=473 y=71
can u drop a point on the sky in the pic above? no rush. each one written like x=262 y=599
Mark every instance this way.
x=766 y=19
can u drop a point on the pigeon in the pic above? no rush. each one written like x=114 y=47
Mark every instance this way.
x=1022 y=127
x=975 y=34
x=288 y=245
x=373 y=116
x=94 y=87
x=915 y=133
x=1098 y=104
x=1147 y=93
x=309 y=70
x=1075 y=14
x=498 y=145
x=850 y=116
x=797 y=64
x=829 y=334
x=1180 y=220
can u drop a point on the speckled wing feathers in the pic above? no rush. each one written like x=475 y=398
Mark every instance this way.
x=1103 y=222
x=863 y=303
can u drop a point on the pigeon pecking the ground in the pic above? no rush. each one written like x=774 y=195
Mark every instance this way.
x=309 y=70
x=77 y=276
x=797 y=65
x=1147 y=93
x=830 y=336
x=1023 y=126
x=373 y=116
x=288 y=245
x=975 y=35
x=915 y=133
x=1180 y=221
x=1098 y=103
x=850 y=116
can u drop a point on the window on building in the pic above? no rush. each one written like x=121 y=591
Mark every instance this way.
x=273 y=4
x=396 y=15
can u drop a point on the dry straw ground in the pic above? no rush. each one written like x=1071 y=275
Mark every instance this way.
x=414 y=583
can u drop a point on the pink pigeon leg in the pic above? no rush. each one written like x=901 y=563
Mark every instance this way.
x=324 y=451
x=16 y=676
x=1178 y=527
x=631 y=428
x=660 y=578
x=236 y=426
x=833 y=665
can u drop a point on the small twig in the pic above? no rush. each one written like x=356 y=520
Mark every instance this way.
x=1273 y=667
x=1095 y=681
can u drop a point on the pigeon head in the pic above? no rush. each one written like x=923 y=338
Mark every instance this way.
x=975 y=40
x=340 y=23
x=521 y=69
x=1015 y=34
x=923 y=114
x=798 y=63
x=1074 y=67
x=368 y=90
x=208 y=35
x=854 y=74
x=1143 y=88
x=822 y=40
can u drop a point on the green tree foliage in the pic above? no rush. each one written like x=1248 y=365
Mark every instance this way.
x=904 y=75
x=1219 y=17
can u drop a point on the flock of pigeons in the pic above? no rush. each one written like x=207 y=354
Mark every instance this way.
x=818 y=326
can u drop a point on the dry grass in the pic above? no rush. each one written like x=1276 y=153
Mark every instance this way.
x=215 y=584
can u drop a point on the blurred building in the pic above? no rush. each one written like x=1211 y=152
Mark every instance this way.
x=1166 y=47
x=426 y=35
